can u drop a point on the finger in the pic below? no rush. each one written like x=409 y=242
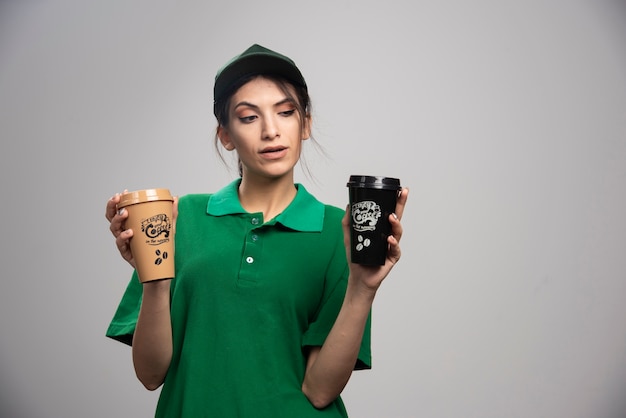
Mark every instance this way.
x=401 y=203
x=117 y=223
x=174 y=213
x=123 y=243
x=396 y=227
x=111 y=208
x=123 y=239
x=345 y=223
x=394 y=252
x=175 y=209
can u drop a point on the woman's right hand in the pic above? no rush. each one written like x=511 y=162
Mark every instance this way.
x=117 y=218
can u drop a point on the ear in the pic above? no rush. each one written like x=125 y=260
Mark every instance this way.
x=306 y=129
x=224 y=137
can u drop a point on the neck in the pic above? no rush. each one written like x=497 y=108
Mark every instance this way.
x=269 y=196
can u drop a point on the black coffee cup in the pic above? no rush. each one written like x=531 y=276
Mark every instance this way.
x=372 y=200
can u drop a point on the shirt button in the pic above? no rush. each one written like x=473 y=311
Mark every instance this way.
x=249 y=260
x=255 y=238
x=255 y=221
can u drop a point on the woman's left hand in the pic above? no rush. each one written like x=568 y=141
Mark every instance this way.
x=372 y=276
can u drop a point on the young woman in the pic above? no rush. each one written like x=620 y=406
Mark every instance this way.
x=265 y=316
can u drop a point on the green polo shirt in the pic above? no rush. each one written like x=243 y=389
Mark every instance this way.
x=249 y=296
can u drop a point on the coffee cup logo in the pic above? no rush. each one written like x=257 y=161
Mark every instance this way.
x=365 y=215
x=156 y=228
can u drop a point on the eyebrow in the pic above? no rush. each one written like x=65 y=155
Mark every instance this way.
x=252 y=105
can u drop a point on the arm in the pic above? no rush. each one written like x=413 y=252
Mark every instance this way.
x=330 y=366
x=152 y=341
x=152 y=338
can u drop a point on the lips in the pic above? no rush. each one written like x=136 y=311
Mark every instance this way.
x=272 y=149
x=274 y=153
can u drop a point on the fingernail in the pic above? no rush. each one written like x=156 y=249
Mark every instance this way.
x=121 y=211
x=395 y=216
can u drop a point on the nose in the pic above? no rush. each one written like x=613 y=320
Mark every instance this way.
x=270 y=128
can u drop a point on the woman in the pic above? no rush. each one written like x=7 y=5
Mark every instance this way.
x=265 y=317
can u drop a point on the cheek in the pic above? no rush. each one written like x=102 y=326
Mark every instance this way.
x=241 y=134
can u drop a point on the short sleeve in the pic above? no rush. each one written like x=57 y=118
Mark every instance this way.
x=122 y=326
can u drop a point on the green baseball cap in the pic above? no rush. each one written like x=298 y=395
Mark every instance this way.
x=255 y=60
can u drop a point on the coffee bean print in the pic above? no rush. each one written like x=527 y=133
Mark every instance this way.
x=363 y=243
x=160 y=257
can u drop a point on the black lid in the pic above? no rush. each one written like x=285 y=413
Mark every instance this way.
x=374 y=182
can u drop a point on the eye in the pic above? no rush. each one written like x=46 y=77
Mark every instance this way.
x=247 y=119
x=287 y=112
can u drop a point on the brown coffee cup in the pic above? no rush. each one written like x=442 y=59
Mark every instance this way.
x=372 y=200
x=152 y=244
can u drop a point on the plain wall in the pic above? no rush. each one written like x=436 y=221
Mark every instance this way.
x=507 y=120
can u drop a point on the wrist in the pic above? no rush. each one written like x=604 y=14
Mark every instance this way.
x=157 y=286
x=359 y=293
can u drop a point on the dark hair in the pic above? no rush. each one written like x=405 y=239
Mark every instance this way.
x=301 y=101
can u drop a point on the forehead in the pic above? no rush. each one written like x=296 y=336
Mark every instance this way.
x=263 y=88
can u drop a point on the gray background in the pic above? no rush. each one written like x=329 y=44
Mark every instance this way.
x=507 y=119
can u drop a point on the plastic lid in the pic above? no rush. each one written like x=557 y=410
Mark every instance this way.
x=374 y=182
x=146 y=195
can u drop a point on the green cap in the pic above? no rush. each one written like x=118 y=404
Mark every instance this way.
x=252 y=61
